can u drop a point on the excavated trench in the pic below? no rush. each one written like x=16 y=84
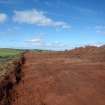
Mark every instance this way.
x=11 y=80
x=53 y=79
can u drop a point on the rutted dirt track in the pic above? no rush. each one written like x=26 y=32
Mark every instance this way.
x=55 y=79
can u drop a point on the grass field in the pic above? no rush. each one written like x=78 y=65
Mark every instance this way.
x=5 y=53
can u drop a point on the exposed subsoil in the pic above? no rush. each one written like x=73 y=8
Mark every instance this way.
x=56 y=79
x=10 y=80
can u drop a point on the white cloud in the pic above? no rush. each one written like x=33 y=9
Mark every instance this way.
x=38 y=18
x=3 y=17
x=101 y=32
x=56 y=44
x=38 y=41
x=100 y=29
x=84 y=11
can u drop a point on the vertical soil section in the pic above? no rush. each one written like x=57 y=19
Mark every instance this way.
x=9 y=81
x=56 y=79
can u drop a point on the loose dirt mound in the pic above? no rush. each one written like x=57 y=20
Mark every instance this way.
x=92 y=53
x=61 y=79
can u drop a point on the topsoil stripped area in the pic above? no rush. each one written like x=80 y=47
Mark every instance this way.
x=56 y=79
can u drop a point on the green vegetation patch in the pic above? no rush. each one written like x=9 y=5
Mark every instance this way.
x=9 y=52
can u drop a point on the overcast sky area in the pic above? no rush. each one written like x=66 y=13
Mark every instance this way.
x=51 y=24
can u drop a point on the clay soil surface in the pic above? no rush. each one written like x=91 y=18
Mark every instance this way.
x=56 y=79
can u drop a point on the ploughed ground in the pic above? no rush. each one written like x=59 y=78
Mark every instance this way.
x=56 y=79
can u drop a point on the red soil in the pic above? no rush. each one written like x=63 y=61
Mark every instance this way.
x=56 y=79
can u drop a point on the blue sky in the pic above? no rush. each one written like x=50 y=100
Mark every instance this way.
x=51 y=24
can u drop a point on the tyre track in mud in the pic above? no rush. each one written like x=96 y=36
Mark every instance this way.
x=49 y=80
